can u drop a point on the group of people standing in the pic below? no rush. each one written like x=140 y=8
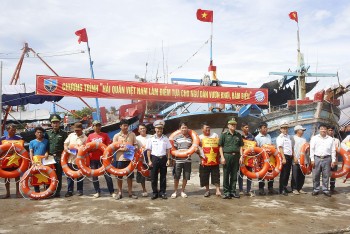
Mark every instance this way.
x=226 y=149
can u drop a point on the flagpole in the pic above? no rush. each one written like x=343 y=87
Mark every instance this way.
x=93 y=77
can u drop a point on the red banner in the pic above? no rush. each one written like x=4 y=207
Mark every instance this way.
x=97 y=88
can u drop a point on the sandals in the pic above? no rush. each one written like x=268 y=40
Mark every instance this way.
x=207 y=194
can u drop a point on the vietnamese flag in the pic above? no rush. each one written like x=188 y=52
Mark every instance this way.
x=205 y=15
x=294 y=16
x=82 y=35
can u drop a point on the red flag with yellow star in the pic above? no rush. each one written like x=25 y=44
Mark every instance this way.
x=82 y=35
x=205 y=15
x=294 y=16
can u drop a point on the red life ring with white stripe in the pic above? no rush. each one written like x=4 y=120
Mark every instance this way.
x=182 y=153
x=83 y=154
x=274 y=170
x=345 y=169
x=141 y=167
x=69 y=172
x=107 y=161
x=305 y=168
x=258 y=172
x=24 y=184
x=24 y=163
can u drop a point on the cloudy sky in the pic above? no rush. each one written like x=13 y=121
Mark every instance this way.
x=251 y=38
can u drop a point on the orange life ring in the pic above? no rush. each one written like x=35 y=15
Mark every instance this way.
x=83 y=154
x=188 y=152
x=274 y=170
x=69 y=172
x=259 y=172
x=35 y=170
x=24 y=165
x=345 y=169
x=107 y=161
x=141 y=167
x=305 y=168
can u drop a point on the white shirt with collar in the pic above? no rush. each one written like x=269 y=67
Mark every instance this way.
x=263 y=139
x=322 y=146
x=158 y=145
x=285 y=142
x=298 y=144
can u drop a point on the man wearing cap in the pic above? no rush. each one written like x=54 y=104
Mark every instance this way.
x=298 y=177
x=330 y=132
x=95 y=159
x=71 y=145
x=158 y=153
x=56 y=146
x=284 y=146
x=263 y=138
x=322 y=156
x=230 y=143
x=124 y=137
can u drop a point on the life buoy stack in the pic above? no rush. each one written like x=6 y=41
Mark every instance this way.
x=39 y=169
x=68 y=171
x=83 y=154
x=345 y=168
x=188 y=152
x=275 y=162
x=23 y=161
x=257 y=170
x=305 y=167
x=107 y=161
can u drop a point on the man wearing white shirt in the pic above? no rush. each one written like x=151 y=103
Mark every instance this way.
x=158 y=153
x=142 y=141
x=263 y=138
x=298 y=177
x=284 y=146
x=322 y=156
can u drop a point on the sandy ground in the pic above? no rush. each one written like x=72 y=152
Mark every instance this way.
x=195 y=214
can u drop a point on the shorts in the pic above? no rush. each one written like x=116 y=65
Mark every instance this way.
x=185 y=167
x=140 y=178
x=124 y=164
x=206 y=171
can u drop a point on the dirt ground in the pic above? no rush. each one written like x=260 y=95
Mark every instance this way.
x=195 y=214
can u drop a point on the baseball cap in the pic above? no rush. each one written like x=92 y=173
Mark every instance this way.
x=96 y=122
x=299 y=127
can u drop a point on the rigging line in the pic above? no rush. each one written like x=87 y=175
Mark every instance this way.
x=200 y=48
x=46 y=56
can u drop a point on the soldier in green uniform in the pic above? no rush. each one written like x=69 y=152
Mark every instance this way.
x=56 y=146
x=230 y=143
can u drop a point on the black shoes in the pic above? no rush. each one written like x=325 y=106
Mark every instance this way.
x=154 y=196
x=262 y=192
x=226 y=196
x=80 y=193
x=68 y=194
x=163 y=196
x=328 y=194
x=284 y=193
x=235 y=195
x=314 y=193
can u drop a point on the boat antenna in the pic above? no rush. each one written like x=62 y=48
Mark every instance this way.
x=146 y=71
x=163 y=62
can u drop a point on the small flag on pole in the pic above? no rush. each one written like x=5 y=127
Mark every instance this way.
x=205 y=15
x=294 y=16
x=82 y=35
